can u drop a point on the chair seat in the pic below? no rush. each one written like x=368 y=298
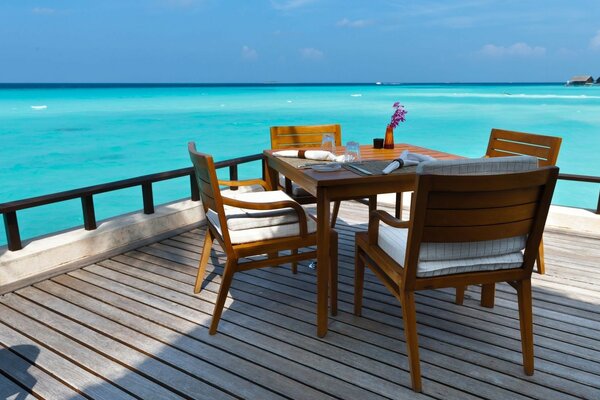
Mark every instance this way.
x=437 y=259
x=247 y=225
x=297 y=190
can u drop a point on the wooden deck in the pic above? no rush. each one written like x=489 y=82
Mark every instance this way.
x=130 y=327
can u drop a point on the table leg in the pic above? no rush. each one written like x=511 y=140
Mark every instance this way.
x=271 y=176
x=323 y=245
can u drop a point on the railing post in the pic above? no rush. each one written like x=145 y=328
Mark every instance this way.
x=233 y=175
x=11 y=226
x=89 y=216
x=148 y=198
x=194 y=187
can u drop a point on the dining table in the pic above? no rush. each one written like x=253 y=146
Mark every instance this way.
x=362 y=179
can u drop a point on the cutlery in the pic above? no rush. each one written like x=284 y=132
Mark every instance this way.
x=364 y=171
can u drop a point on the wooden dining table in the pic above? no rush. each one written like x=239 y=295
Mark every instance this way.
x=342 y=184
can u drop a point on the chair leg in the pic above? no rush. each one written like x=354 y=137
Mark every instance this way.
x=294 y=263
x=488 y=294
x=409 y=315
x=223 y=290
x=541 y=267
x=335 y=212
x=398 y=207
x=333 y=273
x=526 y=322
x=460 y=295
x=208 y=240
x=359 y=277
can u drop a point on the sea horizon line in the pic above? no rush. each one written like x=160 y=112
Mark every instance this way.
x=59 y=85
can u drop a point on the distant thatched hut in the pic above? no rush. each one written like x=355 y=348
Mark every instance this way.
x=580 y=80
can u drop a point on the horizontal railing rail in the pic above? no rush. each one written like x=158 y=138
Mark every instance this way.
x=9 y=209
x=583 y=178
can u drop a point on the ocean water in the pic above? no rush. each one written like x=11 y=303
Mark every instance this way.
x=56 y=138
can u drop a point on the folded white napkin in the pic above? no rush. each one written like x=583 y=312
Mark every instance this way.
x=321 y=155
x=406 y=159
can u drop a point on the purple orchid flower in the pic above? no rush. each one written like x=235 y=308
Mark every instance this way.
x=399 y=115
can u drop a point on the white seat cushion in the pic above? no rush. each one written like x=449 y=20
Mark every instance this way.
x=246 y=225
x=297 y=190
x=393 y=242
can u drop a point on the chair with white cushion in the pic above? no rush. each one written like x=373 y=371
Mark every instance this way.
x=307 y=136
x=504 y=143
x=252 y=224
x=471 y=222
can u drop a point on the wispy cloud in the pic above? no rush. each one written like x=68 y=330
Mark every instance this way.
x=358 y=23
x=43 y=10
x=516 y=50
x=289 y=4
x=311 y=53
x=595 y=42
x=249 y=53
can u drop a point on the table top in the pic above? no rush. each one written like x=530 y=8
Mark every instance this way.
x=308 y=177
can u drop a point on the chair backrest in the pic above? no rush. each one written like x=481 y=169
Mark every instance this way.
x=509 y=143
x=472 y=201
x=208 y=185
x=303 y=136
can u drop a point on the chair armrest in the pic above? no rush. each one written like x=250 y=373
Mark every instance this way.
x=274 y=205
x=246 y=182
x=386 y=218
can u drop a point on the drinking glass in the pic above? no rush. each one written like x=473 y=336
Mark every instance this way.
x=328 y=142
x=352 y=152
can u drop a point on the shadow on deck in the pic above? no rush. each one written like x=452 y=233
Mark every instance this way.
x=130 y=327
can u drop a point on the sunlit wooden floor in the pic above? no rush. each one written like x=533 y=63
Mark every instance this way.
x=130 y=327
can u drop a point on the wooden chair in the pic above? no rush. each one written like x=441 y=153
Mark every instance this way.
x=509 y=143
x=505 y=143
x=485 y=219
x=285 y=137
x=251 y=224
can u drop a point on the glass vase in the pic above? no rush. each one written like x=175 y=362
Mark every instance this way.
x=388 y=142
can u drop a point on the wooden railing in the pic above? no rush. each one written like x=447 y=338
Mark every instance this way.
x=86 y=194
x=583 y=178
x=9 y=210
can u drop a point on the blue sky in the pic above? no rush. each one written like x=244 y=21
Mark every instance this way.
x=298 y=40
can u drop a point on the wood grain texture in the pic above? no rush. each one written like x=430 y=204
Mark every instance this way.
x=267 y=336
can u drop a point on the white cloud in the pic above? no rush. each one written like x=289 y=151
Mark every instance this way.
x=42 y=10
x=249 y=53
x=359 y=23
x=595 y=42
x=289 y=4
x=516 y=50
x=310 y=53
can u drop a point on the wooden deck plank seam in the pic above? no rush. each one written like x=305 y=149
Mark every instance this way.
x=180 y=332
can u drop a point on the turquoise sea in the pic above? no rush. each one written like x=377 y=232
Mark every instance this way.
x=56 y=138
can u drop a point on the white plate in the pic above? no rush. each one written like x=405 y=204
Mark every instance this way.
x=327 y=167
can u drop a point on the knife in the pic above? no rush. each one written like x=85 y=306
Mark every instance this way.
x=309 y=165
x=364 y=171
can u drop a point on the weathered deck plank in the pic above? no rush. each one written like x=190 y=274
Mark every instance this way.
x=130 y=326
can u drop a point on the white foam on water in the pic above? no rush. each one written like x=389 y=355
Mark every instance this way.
x=356 y=95
x=504 y=95
x=43 y=107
